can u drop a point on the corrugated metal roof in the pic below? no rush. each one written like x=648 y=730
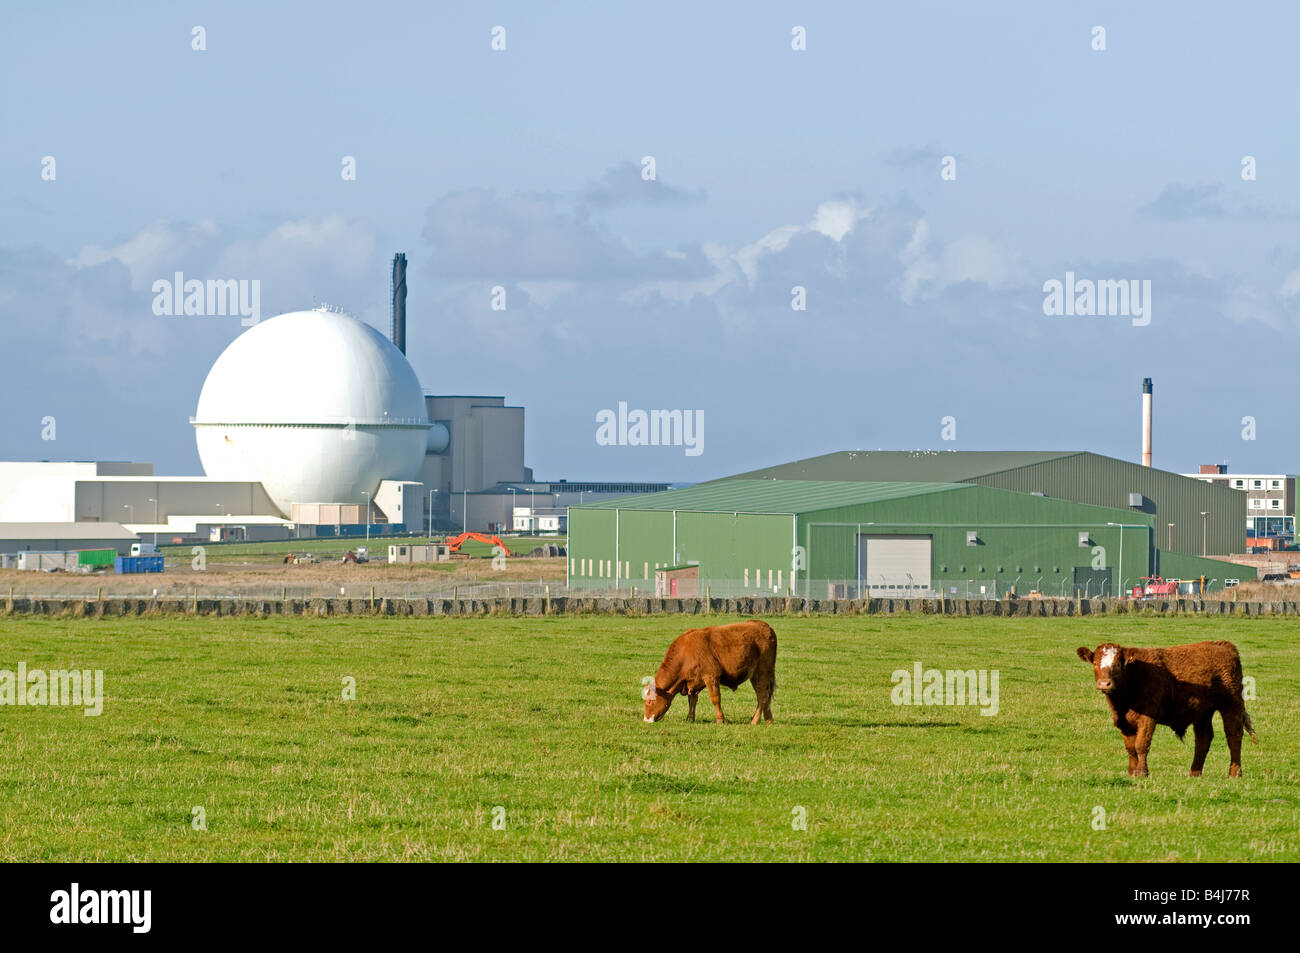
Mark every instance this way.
x=904 y=466
x=772 y=496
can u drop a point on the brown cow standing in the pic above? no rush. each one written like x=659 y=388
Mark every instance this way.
x=710 y=658
x=1177 y=686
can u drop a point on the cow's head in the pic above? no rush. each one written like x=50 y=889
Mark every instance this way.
x=656 y=701
x=1107 y=665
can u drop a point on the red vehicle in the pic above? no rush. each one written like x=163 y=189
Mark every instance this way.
x=1155 y=587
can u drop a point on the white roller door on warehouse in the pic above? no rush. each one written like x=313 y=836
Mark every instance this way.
x=894 y=565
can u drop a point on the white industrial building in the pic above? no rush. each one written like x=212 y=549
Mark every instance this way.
x=1270 y=502
x=59 y=536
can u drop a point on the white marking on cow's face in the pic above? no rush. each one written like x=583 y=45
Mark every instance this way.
x=649 y=721
x=1107 y=658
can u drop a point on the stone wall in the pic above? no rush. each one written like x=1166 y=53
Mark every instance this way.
x=636 y=606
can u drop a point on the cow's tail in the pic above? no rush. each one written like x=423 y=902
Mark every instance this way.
x=1250 y=729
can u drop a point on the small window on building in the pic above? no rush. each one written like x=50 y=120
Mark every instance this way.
x=1256 y=484
x=1274 y=504
x=1275 y=484
x=1239 y=484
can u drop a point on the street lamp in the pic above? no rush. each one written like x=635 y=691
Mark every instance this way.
x=1204 y=530
x=512 y=506
x=1170 y=547
x=431 y=492
x=1122 y=527
x=131 y=508
x=367 y=496
x=155 y=521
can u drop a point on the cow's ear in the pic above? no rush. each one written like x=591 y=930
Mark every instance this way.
x=1085 y=653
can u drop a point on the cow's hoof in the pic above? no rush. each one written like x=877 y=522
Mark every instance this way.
x=1194 y=774
x=1234 y=771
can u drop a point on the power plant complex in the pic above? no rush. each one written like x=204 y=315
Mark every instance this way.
x=285 y=457
x=373 y=454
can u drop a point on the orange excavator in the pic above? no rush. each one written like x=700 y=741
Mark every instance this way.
x=454 y=542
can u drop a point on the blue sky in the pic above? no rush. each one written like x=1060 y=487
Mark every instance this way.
x=775 y=169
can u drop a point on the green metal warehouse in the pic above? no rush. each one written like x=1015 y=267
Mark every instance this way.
x=847 y=539
x=1174 y=503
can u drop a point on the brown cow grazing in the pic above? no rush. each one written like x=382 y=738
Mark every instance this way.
x=1177 y=686
x=710 y=658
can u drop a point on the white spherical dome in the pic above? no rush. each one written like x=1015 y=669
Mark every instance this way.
x=315 y=405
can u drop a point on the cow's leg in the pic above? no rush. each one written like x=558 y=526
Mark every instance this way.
x=692 y=698
x=715 y=696
x=1204 y=734
x=758 y=697
x=1232 y=726
x=763 y=694
x=1146 y=727
x=1130 y=745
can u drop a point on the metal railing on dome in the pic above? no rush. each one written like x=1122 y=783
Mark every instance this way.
x=322 y=421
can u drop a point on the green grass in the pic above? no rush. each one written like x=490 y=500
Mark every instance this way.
x=244 y=717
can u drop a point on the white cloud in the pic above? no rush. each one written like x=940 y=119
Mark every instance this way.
x=1290 y=285
x=296 y=249
x=546 y=293
x=151 y=251
x=970 y=258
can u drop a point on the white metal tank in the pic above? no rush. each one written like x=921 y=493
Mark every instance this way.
x=317 y=406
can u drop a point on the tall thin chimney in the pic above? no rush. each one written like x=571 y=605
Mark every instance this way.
x=1146 y=422
x=399 y=301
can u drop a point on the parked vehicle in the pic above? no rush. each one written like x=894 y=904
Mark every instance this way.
x=1155 y=587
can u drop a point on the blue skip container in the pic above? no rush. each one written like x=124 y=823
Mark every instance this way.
x=130 y=564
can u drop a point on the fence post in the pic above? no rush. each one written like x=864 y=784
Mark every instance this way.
x=548 y=600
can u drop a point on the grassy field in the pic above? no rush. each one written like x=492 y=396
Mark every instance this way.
x=537 y=723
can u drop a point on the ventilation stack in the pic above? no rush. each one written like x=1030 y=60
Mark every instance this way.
x=399 y=302
x=1146 y=422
